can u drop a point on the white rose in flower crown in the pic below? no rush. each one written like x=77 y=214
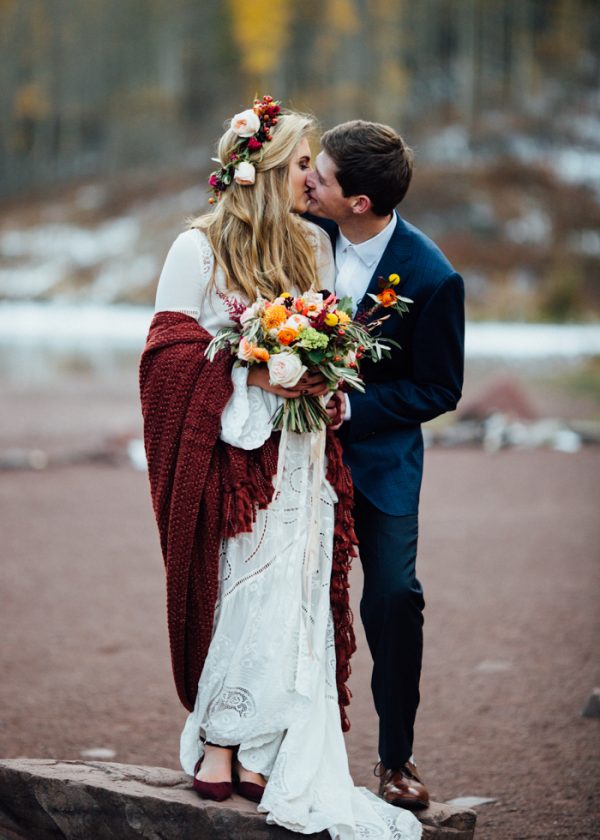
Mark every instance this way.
x=246 y=123
x=285 y=369
x=245 y=173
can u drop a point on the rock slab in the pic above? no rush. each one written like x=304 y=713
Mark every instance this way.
x=97 y=800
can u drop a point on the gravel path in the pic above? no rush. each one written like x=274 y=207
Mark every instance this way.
x=509 y=561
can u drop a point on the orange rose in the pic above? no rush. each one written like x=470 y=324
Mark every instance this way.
x=260 y=354
x=286 y=335
x=387 y=297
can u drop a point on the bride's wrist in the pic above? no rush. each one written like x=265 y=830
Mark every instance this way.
x=259 y=375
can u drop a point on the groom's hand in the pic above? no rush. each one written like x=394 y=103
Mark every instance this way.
x=336 y=410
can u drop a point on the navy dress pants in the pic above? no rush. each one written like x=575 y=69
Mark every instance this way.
x=392 y=614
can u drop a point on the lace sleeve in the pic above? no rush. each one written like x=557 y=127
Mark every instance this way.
x=185 y=275
x=246 y=419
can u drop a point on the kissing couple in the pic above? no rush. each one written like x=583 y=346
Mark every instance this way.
x=258 y=532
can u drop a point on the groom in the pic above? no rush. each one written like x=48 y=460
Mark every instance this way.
x=361 y=174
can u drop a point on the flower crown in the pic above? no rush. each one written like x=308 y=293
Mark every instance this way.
x=253 y=127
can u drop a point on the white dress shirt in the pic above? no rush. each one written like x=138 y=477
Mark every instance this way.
x=355 y=265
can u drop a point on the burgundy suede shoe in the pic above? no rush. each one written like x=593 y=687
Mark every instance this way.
x=218 y=791
x=249 y=790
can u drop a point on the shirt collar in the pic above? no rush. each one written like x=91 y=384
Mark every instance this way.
x=371 y=250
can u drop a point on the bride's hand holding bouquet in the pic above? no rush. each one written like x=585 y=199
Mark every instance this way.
x=309 y=344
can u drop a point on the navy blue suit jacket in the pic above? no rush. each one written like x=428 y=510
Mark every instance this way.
x=382 y=442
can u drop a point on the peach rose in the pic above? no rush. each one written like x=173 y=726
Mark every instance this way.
x=285 y=369
x=249 y=352
x=246 y=123
x=297 y=322
x=245 y=350
x=313 y=300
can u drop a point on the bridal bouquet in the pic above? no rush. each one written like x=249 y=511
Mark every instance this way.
x=315 y=332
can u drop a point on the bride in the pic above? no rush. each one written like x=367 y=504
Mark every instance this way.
x=260 y=630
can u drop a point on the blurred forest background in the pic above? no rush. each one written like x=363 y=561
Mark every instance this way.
x=110 y=109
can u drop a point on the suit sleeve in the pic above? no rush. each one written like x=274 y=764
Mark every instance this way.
x=438 y=364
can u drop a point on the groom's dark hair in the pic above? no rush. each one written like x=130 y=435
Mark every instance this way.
x=371 y=159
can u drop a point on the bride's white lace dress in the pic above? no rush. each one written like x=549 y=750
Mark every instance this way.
x=268 y=683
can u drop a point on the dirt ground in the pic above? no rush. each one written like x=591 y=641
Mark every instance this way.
x=509 y=559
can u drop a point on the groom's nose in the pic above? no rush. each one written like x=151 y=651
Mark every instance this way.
x=310 y=179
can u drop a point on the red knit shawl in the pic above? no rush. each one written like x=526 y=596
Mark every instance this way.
x=204 y=490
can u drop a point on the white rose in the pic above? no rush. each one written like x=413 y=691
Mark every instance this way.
x=245 y=173
x=255 y=309
x=297 y=322
x=285 y=369
x=312 y=298
x=245 y=124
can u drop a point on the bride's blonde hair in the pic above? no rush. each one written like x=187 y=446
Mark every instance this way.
x=260 y=245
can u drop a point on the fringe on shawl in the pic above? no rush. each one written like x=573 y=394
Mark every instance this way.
x=344 y=550
x=252 y=490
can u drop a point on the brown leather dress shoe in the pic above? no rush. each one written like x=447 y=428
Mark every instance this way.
x=403 y=787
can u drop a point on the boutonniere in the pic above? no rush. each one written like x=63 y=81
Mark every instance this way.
x=388 y=298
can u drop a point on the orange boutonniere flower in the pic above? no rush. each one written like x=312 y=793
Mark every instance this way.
x=387 y=297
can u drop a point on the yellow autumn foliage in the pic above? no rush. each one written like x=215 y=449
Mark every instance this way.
x=260 y=31
x=30 y=102
x=342 y=17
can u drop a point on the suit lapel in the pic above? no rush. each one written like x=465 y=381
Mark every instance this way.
x=398 y=251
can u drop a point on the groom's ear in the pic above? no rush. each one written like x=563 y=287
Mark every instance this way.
x=361 y=204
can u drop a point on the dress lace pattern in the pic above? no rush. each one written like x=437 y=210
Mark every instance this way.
x=269 y=678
